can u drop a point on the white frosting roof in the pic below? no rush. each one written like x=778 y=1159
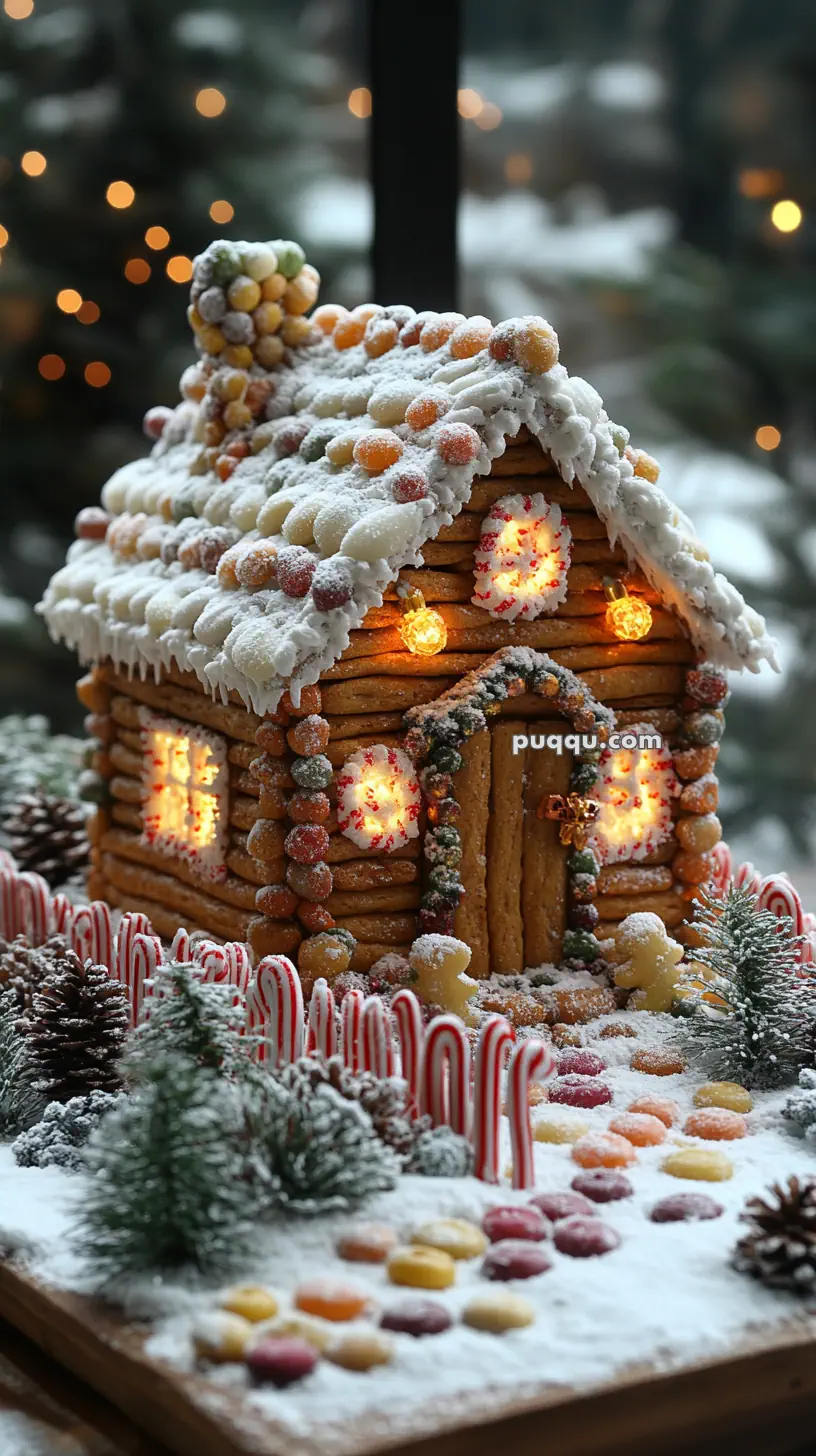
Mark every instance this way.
x=143 y=613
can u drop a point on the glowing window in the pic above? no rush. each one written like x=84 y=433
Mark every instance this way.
x=522 y=558
x=184 y=793
x=635 y=790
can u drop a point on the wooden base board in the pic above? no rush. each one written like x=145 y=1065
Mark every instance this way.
x=758 y=1400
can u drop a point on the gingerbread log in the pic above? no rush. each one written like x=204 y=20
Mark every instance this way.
x=176 y=702
x=94 y=692
x=388 y=900
x=361 y=874
x=472 y=788
x=128 y=790
x=137 y=881
x=527 y=459
x=669 y=906
x=163 y=922
x=244 y=811
x=339 y=751
x=505 y=838
x=341 y=850
x=380 y=928
x=485 y=492
x=436 y=586
x=359 y=725
x=544 y=869
x=127 y=815
x=382 y=694
x=617 y=684
x=634 y=879
x=233 y=890
x=124 y=760
x=366 y=954
x=129 y=738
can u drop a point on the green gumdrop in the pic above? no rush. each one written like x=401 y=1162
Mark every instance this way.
x=92 y=787
x=580 y=945
x=313 y=447
x=583 y=862
x=703 y=728
x=291 y=256
x=226 y=262
x=583 y=777
x=447 y=760
x=345 y=935
x=183 y=507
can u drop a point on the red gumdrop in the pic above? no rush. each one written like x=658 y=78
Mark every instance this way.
x=155 y=420
x=416 y=1317
x=680 y=1207
x=583 y=1238
x=309 y=735
x=577 y=1062
x=409 y=485
x=515 y=1259
x=511 y=1221
x=602 y=1185
x=280 y=1360
x=332 y=586
x=310 y=882
x=556 y=1206
x=309 y=806
x=307 y=844
x=576 y=1091
x=296 y=567
x=289 y=438
x=501 y=341
x=92 y=523
x=276 y=901
x=315 y=917
x=457 y=444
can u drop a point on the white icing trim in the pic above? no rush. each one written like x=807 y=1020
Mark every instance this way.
x=185 y=795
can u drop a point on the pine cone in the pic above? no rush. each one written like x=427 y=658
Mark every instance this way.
x=780 y=1249
x=76 y=1029
x=24 y=967
x=385 y=1101
x=48 y=834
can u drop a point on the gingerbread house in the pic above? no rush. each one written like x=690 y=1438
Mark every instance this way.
x=393 y=631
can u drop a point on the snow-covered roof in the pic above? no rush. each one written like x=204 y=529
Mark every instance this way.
x=131 y=599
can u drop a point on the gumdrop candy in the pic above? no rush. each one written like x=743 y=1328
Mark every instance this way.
x=724 y=1094
x=559 y=1130
x=616 y=1028
x=578 y=1062
x=514 y=1221
x=498 y=1311
x=681 y=1207
x=715 y=1124
x=280 y=1360
x=416 y=1317
x=457 y=444
x=601 y=1185
x=331 y=1300
x=641 y=1129
x=556 y=1206
x=251 y=1301
x=657 y=1062
x=220 y=1336
x=662 y=1107
x=515 y=1259
x=706 y=1165
x=575 y=1091
x=603 y=1150
x=421 y=1267
x=454 y=1236
x=316 y=1332
x=583 y=1238
x=361 y=1350
x=367 y=1243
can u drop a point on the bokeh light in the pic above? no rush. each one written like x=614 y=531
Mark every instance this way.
x=222 y=211
x=157 y=238
x=768 y=437
x=179 y=268
x=68 y=300
x=33 y=164
x=786 y=215
x=97 y=374
x=210 y=101
x=137 y=270
x=359 y=102
x=120 y=194
x=51 y=366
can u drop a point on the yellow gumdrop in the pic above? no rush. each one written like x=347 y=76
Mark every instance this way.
x=559 y=1130
x=704 y=1165
x=340 y=450
x=454 y=1236
x=221 y=1337
x=316 y=1332
x=421 y=1267
x=251 y=1301
x=497 y=1311
x=724 y=1094
x=361 y=1350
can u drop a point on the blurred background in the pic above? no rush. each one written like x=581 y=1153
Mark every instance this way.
x=638 y=171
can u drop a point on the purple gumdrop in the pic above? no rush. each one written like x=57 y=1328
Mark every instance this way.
x=602 y=1185
x=515 y=1259
x=583 y=1238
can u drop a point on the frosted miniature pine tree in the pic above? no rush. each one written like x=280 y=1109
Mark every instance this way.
x=755 y=1024
x=191 y=1018
x=20 y=1100
x=58 y=1140
x=800 y=1106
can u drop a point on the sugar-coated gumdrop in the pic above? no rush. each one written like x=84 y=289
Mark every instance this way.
x=332 y=586
x=578 y=1062
x=559 y=1130
x=724 y=1094
x=309 y=735
x=416 y=1317
x=683 y=1207
x=221 y=1336
x=421 y=1267
x=380 y=336
x=601 y=1185
x=575 y=1091
x=457 y=444
x=367 y=1243
x=657 y=1062
x=276 y=901
x=556 y=1206
x=498 y=1311
x=715 y=1124
x=377 y=449
x=426 y=408
x=323 y=954
x=280 y=1360
x=330 y=1300
x=312 y=773
x=652 y=1106
x=91 y=524
x=535 y=345
x=438 y=329
x=251 y=1301
x=565 y=1036
x=471 y=337
x=318 y=1333
x=514 y=1221
x=616 y=1028
x=309 y=806
x=603 y=1150
x=515 y=1259
x=408 y=485
x=155 y=420
x=296 y=567
x=641 y=1129
x=455 y=1236
x=257 y=566
x=706 y=1165
x=583 y=1238
x=311 y=882
x=307 y=843
x=361 y=1350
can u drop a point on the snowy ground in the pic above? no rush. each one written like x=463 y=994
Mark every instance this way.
x=667 y=1296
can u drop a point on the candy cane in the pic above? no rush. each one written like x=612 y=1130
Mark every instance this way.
x=776 y=893
x=145 y=956
x=214 y=963
x=322 y=1035
x=351 y=1013
x=809 y=942
x=180 y=950
x=275 y=1007
x=131 y=925
x=721 y=874
x=82 y=933
x=101 y=934
x=445 y=1073
x=62 y=915
x=494 y=1043
x=408 y=1017
x=533 y=1061
x=240 y=965
x=747 y=878
x=8 y=902
x=375 y=1039
x=7 y=861
x=34 y=907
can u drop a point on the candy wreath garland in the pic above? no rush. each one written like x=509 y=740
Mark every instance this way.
x=435 y=735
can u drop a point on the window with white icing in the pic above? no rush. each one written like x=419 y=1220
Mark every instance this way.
x=185 y=781
x=378 y=798
x=522 y=558
x=635 y=790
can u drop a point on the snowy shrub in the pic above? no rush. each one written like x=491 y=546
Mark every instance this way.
x=58 y=1140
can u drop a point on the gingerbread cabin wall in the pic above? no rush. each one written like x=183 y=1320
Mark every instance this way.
x=514 y=868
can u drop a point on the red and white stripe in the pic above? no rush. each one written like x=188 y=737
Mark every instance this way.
x=776 y=893
x=722 y=872
x=532 y=1061
x=239 y=964
x=275 y=1011
x=101 y=934
x=445 y=1074
x=133 y=923
x=408 y=1016
x=62 y=916
x=7 y=861
x=808 y=956
x=495 y=1041
x=82 y=933
x=8 y=902
x=181 y=950
x=33 y=907
x=375 y=1039
x=145 y=956
x=351 y=1015
x=747 y=878
x=213 y=961
x=322 y=1032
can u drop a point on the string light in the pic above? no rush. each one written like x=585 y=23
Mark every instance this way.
x=222 y=211
x=768 y=437
x=786 y=215
x=489 y=117
x=179 y=268
x=51 y=366
x=157 y=238
x=4 y=237
x=33 y=164
x=97 y=374
x=69 y=301
x=210 y=101
x=422 y=629
x=137 y=270
x=628 y=617
x=89 y=312
x=18 y=9
x=120 y=194
x=468 y=103
x=359 y=102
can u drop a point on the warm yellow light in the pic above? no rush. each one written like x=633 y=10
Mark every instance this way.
x=423 y=632
x=33 y=164
x=18 y=9
x=768 y=437
x=468 y=103
x=222 y=211
x=489 y=117
x=518 y=168
x=759 y=181
x=179 y=268
x=4 y=237
x=786 y=215
x=210 y=101
x=120 y=194
x=629 y=617
x=68 y=300
x=359 y=102
x=157 y=238
x=89 y=312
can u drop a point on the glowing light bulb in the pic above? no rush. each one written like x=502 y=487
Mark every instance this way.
x=628 y=617
x=423 y=632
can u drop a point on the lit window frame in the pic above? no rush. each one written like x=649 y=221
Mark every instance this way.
x=185 y=791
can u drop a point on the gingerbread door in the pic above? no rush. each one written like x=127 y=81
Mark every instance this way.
x=514 y=868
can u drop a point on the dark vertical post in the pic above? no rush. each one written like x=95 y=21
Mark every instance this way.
x=414 y=70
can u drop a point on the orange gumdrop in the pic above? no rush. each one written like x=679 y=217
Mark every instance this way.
x=641 y=1129
x=427 y=408
x=380 y=336
x=377 y=449
x=328 y=315
x=471 y=337
x=662 y=1107
x=438 y=330
x=331 y=1300
x=657 y=1061
x=603 y=1150
x=715 y=1124
x=348 y=331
